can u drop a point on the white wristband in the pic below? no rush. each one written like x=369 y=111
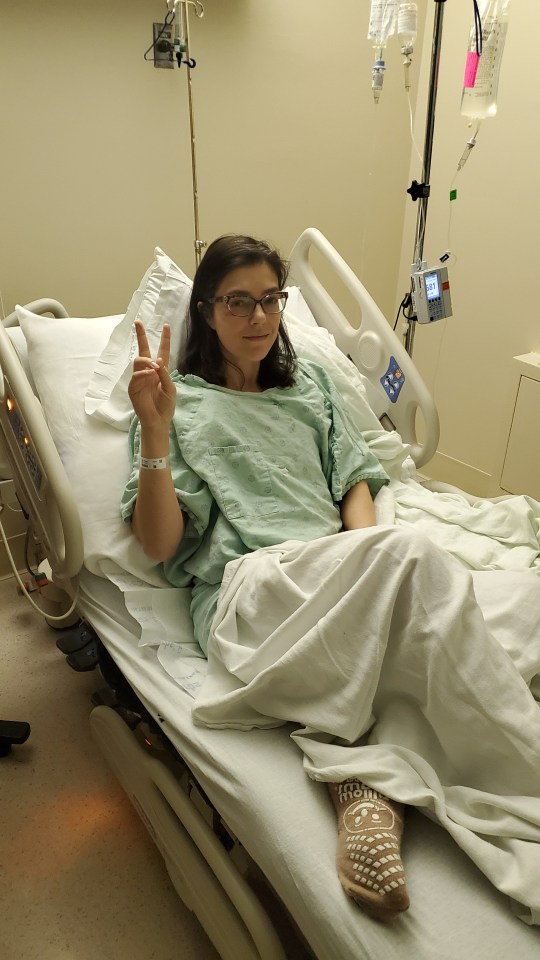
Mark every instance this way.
x=160 y=464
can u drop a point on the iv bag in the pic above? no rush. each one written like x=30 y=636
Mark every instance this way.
x=382 y=21
x=479 y=97
x=407 y=26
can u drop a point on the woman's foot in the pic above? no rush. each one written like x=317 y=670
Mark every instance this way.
x=370 y=827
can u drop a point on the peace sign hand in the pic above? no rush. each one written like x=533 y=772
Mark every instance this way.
x=151 y=390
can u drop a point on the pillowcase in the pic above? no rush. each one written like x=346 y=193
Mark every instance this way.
x=62 y=354
x=162 y=297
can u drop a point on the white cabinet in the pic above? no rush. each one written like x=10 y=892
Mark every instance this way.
x=521 y=467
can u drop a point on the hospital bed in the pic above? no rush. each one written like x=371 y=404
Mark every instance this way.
x=245 y=835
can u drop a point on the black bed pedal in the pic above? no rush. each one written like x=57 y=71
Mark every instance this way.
x=12 y=731
x=75 y=638
x=85 y=659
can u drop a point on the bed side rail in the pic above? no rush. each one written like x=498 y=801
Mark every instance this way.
x=200 y=869
x=40 y=480
x=373 y=347
x=42 y=306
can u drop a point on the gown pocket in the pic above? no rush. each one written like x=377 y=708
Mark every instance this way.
x=243 y=482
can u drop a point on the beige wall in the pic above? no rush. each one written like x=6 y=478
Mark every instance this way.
x=467 y=360
x=95 y=142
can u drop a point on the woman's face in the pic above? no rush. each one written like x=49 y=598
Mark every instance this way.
x=245 y=341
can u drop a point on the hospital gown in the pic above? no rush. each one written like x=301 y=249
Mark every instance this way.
x=252 y=470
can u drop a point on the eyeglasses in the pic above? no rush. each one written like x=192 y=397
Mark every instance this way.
x=242 y=305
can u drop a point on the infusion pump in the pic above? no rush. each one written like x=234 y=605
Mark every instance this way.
x=430 y=293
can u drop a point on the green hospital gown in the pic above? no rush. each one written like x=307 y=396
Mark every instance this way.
x=252 y=470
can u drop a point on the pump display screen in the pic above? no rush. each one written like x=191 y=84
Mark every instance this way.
x=433 y=291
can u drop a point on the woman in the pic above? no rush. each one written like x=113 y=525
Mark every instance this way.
x=248 y=448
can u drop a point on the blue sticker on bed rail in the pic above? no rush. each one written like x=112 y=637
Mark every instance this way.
x=393 y=380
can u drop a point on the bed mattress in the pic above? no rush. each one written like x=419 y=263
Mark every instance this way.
x=286 y=824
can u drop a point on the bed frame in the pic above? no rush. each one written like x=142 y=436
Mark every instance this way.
x=206 y=863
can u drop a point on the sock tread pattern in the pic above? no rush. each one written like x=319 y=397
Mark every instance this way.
x=369 y=859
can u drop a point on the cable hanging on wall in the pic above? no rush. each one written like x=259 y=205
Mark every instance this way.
x=171 y=46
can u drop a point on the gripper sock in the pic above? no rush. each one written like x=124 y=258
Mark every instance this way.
x=370 y=827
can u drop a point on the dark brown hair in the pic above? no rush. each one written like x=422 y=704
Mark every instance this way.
x=201 y=354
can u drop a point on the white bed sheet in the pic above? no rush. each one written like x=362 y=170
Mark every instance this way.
x=286 y=823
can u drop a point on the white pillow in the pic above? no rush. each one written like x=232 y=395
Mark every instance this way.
x=162 y=297
x=317 y=344
x=297 y=307
x=62 y=354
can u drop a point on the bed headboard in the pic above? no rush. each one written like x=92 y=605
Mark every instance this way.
x=397 y=393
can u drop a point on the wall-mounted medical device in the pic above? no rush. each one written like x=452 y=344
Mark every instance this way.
x=430 y=291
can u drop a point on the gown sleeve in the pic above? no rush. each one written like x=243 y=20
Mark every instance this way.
x=350 y=459
x=192 y=492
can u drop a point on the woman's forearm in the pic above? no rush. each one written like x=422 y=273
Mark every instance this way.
x=357 y=508
x=157 y=521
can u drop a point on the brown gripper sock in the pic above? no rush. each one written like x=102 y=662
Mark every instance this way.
x=369 y=864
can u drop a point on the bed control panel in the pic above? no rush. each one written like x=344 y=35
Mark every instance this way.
x=393 y=380
x=23 y=441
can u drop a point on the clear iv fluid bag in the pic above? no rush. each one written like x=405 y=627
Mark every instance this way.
x=382 y=21
x=479 y=97
x=407 y=25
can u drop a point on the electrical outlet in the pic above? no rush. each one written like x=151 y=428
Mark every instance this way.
x=163 y=46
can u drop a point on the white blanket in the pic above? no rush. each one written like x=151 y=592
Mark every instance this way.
x=500 y=534
x=374 y=644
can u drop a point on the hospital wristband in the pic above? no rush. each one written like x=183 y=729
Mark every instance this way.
x=161 y=463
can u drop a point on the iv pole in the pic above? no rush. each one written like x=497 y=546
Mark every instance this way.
x=190 y=64
x=421 y=191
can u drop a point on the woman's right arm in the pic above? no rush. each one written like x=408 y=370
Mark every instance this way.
x=157 y=520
